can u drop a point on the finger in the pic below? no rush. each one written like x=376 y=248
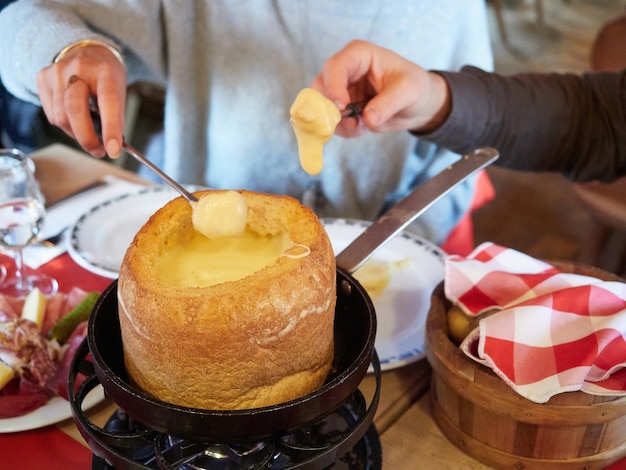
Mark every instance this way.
x=45 y=95
x=378 y=111
x=395 y=104
x=350 y=127
x=111 y=99
x=345 y=76
x=76 y=105
x=51 y=87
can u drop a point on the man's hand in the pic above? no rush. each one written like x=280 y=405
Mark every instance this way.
x=400 y=95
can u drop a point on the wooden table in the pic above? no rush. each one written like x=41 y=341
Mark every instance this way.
x=62 y=171
x=410 y=438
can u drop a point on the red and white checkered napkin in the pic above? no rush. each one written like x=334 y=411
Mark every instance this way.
x=554 y=332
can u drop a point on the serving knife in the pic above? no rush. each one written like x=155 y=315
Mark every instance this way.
x=411 y=207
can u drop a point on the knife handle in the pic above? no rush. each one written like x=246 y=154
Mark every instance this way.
x=411 y=207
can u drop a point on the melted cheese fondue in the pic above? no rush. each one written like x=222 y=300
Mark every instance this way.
x=219 y=215
x=375 y=275
x=204 y=262
x=314 y=119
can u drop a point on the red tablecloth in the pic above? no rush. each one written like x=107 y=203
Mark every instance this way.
x=45 y=448
x=49 y=448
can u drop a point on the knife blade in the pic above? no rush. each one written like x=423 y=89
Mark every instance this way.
x=411 y=207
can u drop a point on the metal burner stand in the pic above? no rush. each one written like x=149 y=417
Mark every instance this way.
x=343 y=439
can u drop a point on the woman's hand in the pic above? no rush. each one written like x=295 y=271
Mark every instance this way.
x=400 y=95
x=66 y=88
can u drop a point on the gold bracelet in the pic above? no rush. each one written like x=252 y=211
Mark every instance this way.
x=89 y=42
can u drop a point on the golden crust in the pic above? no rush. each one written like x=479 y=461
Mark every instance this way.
x=257 y=341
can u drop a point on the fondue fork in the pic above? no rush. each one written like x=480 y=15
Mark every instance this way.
x=164 y=176
x=353 y=110
x=137 y=155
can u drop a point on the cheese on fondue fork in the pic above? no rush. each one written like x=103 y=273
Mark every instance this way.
x=314 y=119
x=219 y=215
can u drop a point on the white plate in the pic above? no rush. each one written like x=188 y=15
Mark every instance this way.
x=57 y=409
x=100 y=237
x=402 y=307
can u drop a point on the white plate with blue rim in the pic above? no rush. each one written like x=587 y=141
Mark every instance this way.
x=399 y=278
x=99 y=238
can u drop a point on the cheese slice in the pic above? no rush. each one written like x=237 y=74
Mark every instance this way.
x=6 y=374
x=34 y=308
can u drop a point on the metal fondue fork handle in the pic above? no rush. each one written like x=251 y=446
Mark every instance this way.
x=164 y=176
x=133 y=152
x=353 y=110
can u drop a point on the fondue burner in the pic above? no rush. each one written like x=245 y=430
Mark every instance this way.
x=330 y=428
x=344 y=439
x=311 y=447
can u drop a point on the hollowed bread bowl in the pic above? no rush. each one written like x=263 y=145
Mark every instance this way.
x=260 y=340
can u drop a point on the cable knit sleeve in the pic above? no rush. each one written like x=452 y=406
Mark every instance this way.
x=571 y=124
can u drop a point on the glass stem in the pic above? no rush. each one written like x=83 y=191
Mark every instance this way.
x=21 y=275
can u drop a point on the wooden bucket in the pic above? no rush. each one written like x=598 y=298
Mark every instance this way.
x=488 y=420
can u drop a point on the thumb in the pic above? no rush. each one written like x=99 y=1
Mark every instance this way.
x=381 y=108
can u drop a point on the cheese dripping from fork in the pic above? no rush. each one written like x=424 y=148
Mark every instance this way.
x=314 y=119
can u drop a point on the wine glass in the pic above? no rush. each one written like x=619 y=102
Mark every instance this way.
x=21 y=219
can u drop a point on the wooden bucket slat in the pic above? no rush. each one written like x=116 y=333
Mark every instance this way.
x=558 y=442
x=596 y=435
x=504 y=460
x=614 y=432
x=501 y=432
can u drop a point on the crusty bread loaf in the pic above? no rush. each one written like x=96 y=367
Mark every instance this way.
x=264 y=339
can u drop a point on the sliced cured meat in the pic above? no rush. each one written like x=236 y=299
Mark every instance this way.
x=20 y=404
x=43 y=365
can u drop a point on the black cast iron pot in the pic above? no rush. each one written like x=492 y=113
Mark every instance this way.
x=355 y=332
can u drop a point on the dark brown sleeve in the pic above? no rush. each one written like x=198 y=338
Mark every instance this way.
x=567 y=123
